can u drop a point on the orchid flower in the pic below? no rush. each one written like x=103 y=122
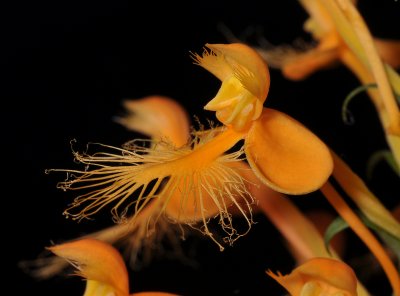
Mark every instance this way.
x=102 y=267
x=200 y=179
x=319 y=277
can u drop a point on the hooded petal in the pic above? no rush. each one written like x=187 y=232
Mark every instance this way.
x=245 y=82
x=319 y=276
x=285 y=155
x=239 y=60
x=158 y=117
x=99 y=263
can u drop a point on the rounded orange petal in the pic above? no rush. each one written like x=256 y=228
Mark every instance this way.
x=285 y=155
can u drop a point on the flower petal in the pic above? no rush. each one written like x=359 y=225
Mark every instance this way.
x=99 y=263
x=237 y=59
x=285 y=155
x=319 y=276
x=245 y=82
x=158 y=117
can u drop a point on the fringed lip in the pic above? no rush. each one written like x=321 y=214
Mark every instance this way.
x=190 y=185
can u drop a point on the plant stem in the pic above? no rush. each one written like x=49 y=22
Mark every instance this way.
x=364 y=234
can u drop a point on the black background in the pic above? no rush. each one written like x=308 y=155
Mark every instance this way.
x=66 y=68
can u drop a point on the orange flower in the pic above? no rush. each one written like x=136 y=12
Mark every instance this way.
x=195 y=181
x=319 y=277
x=101 y=265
